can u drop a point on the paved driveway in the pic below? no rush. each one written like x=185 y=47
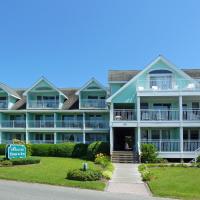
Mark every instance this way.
x=11 y=190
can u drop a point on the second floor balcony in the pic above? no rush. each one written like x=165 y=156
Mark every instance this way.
x=124 y=115
x=13 y=124
x=69 y=124
x=93 y=103
x=43 y=104
x=41 y=124
x=96 y=124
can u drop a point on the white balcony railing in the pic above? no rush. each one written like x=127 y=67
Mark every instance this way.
x=3 y=104
x=93 y=103
x=41 y=124
x=97 y=124
x=191 y=145
x=124 y=114
x=159 y=115
x=164 y=145
x=43 y=104
x=69 y=124
x=168 y=84
x=13 y=124
x=41 y=141
x=191 y=114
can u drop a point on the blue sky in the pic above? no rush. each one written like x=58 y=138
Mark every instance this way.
x=69 y=42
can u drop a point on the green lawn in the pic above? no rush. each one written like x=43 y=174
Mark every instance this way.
x=50 y=171
x=176 y=182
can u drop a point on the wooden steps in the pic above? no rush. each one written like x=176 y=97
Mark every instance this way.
x=124 y=157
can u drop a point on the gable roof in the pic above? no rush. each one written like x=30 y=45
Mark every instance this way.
x=160 y=57
x=50 y=84
x=10 y=91
x=88 y=83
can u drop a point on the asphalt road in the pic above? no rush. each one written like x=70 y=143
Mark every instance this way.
x=12 y=190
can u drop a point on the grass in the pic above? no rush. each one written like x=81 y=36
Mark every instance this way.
x=50 y=171
x=176 y=182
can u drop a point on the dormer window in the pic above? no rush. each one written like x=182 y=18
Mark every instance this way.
x=160 y=79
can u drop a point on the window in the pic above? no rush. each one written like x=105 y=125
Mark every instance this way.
x=194 y=134
x=144 y=135
x=92 y=97
x=160 y=79
x=155 y=134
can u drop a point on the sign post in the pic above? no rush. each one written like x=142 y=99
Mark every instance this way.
x=15 y=151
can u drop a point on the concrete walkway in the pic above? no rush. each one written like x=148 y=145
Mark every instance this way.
x=127 y=179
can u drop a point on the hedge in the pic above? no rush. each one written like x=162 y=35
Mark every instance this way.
x=70 y=150
x=25 y=161
x=2 y=149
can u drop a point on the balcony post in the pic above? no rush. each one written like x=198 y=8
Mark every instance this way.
x=111 y=112
x=54 y=120
x=83 y=128
x=181 y=139
x=55 y=138
x=27 y=137
x=138 y=108
x=139 y=138
x=111 y=140
x=180 y=108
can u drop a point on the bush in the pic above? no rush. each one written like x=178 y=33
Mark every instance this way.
x=25 y=161
x=107 y=174
x=102 y=160
x=96 y=148
x=84 y=175
x=6 y=163
x=198 y=159
x=148 y=153
x=2 y=149
x=146 y=175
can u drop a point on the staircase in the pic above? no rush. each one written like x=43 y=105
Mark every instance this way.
x=197 y=153
x=125 y=157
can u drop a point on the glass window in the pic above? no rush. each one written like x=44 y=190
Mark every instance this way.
x=155 y=134
x=163 y=82
x=194 y=134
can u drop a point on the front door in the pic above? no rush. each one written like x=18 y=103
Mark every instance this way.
x=124 y=139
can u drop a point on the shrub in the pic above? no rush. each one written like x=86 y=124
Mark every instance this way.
x=198 y=159
x=25 y=161
x=107 y=174
x=80 y=150
x=96 y=148
x=84 y=175
x=102 y=160
x=2 y=149
x=6 y=163
x=148 y=153
x=146 y=175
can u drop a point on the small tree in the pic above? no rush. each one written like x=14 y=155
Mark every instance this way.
x=148 y=153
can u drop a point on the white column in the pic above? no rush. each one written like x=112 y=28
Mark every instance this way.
x=181 y=108
x=139 y=138
x=111 y=112
x=0 y=137
x=111 y=140
x=55 y=137
x=138 y=108
x=55 y=120
x=83 y=128
x=181 y=139
x=27 y=137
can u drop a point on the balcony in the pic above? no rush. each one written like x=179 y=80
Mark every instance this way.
x=41 y=124
x=124 y=115
x=69 y=124
x=41 y=141
x=43 y=104
x=96 y=124
x=13 y=124
x=191 y=114
x=3 y=104
x=93 y=103
x=173 y=145
x=168 y=85
x=159 y=115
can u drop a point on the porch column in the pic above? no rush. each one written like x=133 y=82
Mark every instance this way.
x=0 y=137
x=111 y=112
x=180 y=108
x=138 y=138
x=83 y=128
x=181 y=139
x=54 y=119
x=138 y=108
x=111 y=140
x=27 y=137
x=55 y=138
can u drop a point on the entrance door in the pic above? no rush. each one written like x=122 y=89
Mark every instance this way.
x=124 y=139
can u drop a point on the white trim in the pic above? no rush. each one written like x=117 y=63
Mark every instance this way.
x=88 y=83
x=160 y=57
x=50 y=84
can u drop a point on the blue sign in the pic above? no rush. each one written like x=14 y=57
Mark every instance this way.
x=16 y=151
